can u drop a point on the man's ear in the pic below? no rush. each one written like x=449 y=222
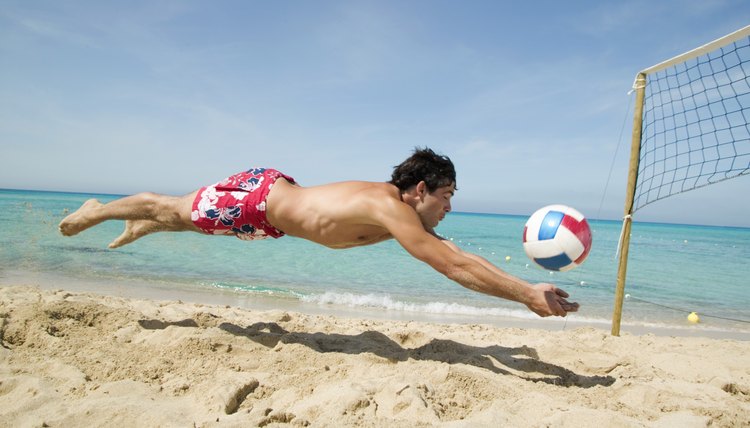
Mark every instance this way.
x=421 y=189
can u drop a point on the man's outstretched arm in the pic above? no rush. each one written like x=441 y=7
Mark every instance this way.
x=469 y=270
x=568 y=306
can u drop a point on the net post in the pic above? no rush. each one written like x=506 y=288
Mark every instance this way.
x=635 y=154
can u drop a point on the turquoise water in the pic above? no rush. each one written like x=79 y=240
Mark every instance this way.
x=673 y=269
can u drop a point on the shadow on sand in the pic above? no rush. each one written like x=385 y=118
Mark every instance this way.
x=522 y=362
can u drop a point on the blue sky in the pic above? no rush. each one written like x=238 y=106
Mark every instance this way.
x=527 y=98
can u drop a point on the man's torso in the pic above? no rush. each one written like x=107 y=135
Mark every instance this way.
x=338 y=215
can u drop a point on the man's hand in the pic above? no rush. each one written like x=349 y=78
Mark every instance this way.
x=549 y=300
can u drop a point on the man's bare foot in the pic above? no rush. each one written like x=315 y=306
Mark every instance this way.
x=127 y=236
x=135 y=229
x=81 y=219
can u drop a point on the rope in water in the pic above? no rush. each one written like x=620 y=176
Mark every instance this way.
x=628 y=296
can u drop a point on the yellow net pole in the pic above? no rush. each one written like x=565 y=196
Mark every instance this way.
x=635 y=154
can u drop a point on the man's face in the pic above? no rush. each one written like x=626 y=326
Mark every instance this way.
x=435 y=205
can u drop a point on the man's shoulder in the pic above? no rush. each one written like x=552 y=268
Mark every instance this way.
x=368 y=189
x=356 y=196
x=383 y=192
x=383 y=201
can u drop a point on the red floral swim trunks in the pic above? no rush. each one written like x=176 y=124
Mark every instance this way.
x=237 y=205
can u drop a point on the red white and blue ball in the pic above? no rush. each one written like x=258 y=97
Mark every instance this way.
x=557 y=238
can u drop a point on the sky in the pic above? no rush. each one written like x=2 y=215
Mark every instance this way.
x=529 y=99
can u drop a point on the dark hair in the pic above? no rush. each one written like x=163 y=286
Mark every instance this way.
x=424 y=165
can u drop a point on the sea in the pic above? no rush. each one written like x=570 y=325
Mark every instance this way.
x=673 y=270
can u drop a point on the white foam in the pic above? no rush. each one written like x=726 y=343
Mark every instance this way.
x=385 y=301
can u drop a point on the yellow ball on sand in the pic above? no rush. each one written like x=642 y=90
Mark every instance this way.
x=693 y=318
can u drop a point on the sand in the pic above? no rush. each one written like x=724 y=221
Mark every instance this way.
x=82 y=359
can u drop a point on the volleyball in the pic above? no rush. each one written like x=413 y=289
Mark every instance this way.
x=557 y=238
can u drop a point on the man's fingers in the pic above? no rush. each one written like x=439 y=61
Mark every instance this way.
x=556 y=302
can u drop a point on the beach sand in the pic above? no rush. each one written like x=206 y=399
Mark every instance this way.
x=80 y=359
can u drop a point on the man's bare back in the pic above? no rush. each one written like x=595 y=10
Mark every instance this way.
x=338 y=215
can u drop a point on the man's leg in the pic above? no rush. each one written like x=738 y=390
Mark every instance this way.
x=143 y=213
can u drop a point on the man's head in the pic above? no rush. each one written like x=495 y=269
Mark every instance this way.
x=424 y=165
x=427 y=182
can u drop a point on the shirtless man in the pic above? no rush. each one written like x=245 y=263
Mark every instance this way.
x=264 y=202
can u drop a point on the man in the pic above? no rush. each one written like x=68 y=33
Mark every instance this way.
x=264 y=202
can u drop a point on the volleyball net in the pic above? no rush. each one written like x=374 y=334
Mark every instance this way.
x=690 y=130
x=695 y=120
